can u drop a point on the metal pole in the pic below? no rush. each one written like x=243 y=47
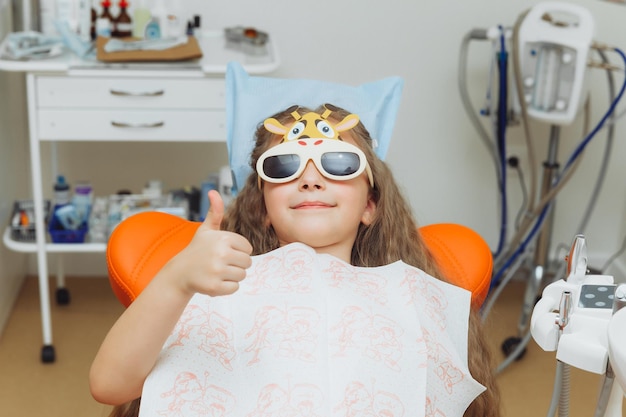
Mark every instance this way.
x=542 y=248
x=550 y=169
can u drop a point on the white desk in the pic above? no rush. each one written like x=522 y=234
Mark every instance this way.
x=70 y=99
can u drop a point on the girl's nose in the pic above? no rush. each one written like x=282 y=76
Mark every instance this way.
x=311 y=178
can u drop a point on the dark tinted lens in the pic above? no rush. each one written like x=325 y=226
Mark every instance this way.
x=281 y=166
x=340 y=163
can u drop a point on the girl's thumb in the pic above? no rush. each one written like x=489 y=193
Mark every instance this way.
x=215 y=214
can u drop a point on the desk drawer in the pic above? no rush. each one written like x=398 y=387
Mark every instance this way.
x=130 y=93
x=129 y=125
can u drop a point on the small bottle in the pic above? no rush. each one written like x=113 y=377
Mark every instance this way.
x=65 y=12
x=159 y=17
x=141 y=17
x=97 y=226
x=103 y=28
x=154 y=188
x=106 y=11
x=197 y=30
x=82 y=200
x=123 y=24
x=61 y=192
x=94 y=17
x=153 y=30
x=84 y=20
x=64 y=214
x=47 y=16
x=104 y=23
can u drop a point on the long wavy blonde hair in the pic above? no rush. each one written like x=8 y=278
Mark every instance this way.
x=393 y=235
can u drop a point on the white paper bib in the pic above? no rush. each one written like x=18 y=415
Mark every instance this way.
x=309 y=335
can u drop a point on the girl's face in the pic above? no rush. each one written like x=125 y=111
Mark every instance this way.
x=319 y=212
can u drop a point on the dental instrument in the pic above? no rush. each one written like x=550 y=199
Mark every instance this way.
x=582 y=319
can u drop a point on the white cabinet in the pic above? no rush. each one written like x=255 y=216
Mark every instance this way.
x=130 y=109
x=154 y=125
x=72 y=100
x=130 y=93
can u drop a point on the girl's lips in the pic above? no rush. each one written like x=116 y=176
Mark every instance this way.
x=311 y=204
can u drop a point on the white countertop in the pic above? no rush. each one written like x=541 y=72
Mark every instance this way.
x=215 y=49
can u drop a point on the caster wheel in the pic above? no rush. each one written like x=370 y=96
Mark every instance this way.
x=47 y=354
x=510 y=344
x=63 y=296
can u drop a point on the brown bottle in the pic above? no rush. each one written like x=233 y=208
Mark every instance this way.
x=94 y=17
x=123 y=26
x=106 y=13
x=104 y=22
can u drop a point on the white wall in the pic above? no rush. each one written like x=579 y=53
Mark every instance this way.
x=14 y=179
x=355 y=42
x=436 y=154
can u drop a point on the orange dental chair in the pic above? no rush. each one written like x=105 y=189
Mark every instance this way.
x=140 y=246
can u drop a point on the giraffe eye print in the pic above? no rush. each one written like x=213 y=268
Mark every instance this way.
x=325 y=129
x=296 y=131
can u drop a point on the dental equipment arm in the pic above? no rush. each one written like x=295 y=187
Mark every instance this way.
x=582 y=319
x=582 y=343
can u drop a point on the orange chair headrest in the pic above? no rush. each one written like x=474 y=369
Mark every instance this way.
x=140 y=246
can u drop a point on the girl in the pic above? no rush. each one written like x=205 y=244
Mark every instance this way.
x=363 y=220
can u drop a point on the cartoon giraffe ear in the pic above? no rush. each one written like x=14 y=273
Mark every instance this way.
x=274 y=126
x=347 y=123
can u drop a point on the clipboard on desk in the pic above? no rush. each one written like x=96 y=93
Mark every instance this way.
x=187 y=51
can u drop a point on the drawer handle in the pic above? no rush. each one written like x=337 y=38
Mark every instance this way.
x=146 y=94
x=138 y=125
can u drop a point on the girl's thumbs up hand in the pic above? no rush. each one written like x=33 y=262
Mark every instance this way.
x=215 y=261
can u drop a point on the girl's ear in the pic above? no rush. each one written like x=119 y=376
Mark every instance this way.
x=369 y=212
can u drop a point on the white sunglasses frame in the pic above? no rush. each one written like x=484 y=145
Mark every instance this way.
x=312 y=149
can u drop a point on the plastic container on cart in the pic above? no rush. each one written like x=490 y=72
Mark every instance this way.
x=60 y=235
x=23 y=220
